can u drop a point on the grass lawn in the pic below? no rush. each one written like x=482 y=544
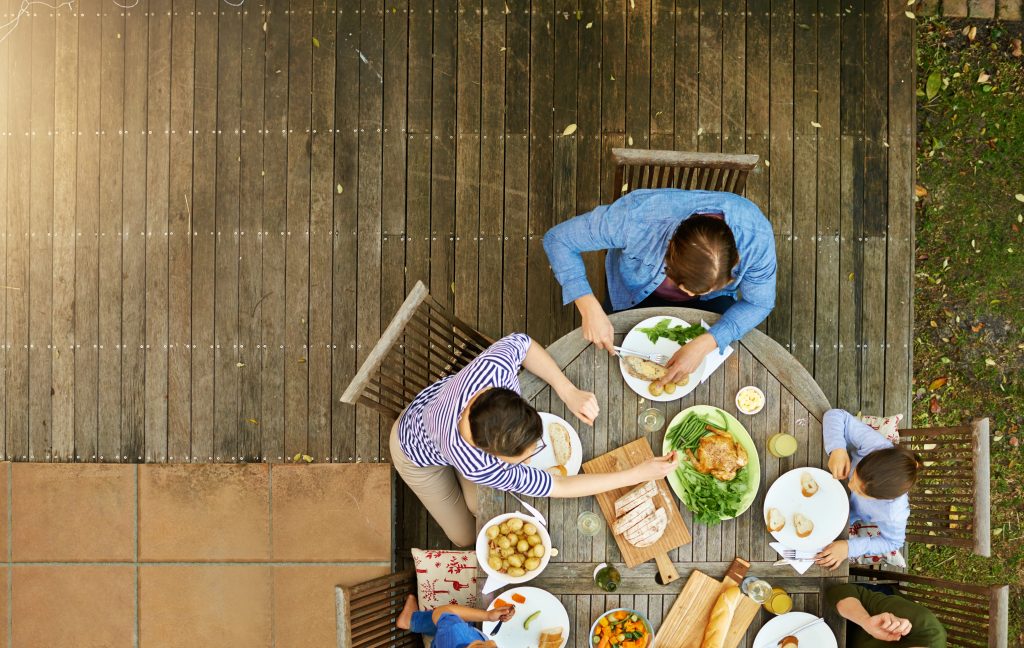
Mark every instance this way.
x=969 y=311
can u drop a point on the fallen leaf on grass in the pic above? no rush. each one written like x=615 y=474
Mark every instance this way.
x=937 y=383
x=1019 y=197
x=910 y=14
x=972 y=33
x=569 y=130
x=933 y=406
x=990 y=362
x=977 y=327
x=933 y=85
x=1017 y=52
x=933 y=324
x=984 y=77
x=920 y=191
x=1014 y=441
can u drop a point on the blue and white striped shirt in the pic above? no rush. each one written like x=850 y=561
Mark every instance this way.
x=429 y=429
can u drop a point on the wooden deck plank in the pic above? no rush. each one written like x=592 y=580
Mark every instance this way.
x=134 y=242
x=40 y=285
x=321 y=243
x=251 y=235
x=588 y=142
x=179 y=239
x=687 y=43
x=5 y=212
x=663 y=34
x=734 y=75
x=638 y=74
x=517 y=168
x=564 y=166
x=442 y=153
x=468 y=174
x=153 y=441
x=709 y=79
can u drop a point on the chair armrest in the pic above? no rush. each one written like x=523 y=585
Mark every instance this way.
x=982 y=489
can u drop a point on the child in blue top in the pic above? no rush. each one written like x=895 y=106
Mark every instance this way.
x=449 y=624
x=880 y=476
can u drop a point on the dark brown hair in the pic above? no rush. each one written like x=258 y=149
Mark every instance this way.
x=503 y=423
x=888 y=473
x=701 y=254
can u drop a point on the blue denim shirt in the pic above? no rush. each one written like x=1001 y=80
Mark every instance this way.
x=636 y=230
x=843 y=431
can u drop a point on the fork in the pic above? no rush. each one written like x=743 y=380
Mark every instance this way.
x=656 y=358
x=793 y=554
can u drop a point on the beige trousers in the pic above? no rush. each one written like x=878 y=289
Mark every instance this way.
x=450 y=498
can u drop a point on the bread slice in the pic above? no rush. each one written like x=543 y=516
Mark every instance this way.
x=634 y=517
x=561 y=443
x=635 y=498
x=808 y=485
x=557 y=471
x=803 y=525
x=646 y=534
x=789 y=642
x=776 y=520
x=551 y=638
x=643 y=369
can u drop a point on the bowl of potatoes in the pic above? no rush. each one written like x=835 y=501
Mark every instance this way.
x=513 y=547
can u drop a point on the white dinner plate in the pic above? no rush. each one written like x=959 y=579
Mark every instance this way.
x=818 y=636
x=546 y=458
x=829 y=508
x=512 y=634
x=639 y=342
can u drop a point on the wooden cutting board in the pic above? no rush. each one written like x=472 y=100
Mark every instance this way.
x=683 y=626
x=676 y=534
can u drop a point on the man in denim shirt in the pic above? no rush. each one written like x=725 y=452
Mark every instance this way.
x=709 y=250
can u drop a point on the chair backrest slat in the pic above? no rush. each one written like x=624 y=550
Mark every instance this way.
x=367 y=612
x=646 y=169
x=949 y=504
x=422 y=344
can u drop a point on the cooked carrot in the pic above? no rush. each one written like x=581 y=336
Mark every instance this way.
x=519 y=598
x=500 y=603
x=604 y=643
x=620 y=615
x=642 y=641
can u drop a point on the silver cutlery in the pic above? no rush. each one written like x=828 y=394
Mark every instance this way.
x=657 y=358
x=775 y=642
x=793 y=554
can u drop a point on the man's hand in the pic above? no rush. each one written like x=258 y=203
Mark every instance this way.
x=839 y=463
x=501 y=613
x=887 y=627
x=688 y=358
x=597 y=328
x=581 y=403
x=833 y=555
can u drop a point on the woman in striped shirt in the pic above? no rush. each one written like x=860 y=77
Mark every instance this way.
x=474 y=427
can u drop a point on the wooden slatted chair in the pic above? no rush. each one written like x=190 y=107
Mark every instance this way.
x=950 y=502
x=423 y=343
x=974 y=616
x=647 y=169
x=367 y=612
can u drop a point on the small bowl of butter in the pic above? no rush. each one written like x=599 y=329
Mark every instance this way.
x=750 y=400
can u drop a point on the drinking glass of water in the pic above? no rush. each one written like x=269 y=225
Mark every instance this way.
x=589 y=523
x=757 y=589
x=651 y=419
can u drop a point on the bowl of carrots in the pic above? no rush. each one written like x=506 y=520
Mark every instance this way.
x=622 y=628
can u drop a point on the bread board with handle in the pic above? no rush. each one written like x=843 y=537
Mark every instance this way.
x=684 y=625
x=676 y=534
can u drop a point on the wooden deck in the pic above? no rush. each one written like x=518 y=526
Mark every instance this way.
x=208 y=213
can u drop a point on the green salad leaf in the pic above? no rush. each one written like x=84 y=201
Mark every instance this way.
x=679 y=334
x=709 y=499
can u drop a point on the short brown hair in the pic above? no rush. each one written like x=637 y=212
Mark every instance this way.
x=701 y=254
x=888 y=473
x=503 y=423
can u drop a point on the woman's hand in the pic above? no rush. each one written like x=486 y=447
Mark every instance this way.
x=688 y=358
x=597 y=328
x=888 y=627
x=581 y=403
x=501 y=613
x=839 y=463
x=833 y=555
x=655 y=468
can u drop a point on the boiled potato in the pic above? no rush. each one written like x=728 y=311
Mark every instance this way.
x=538 y=551
x=504 y=542
x=654 y=389
x=531 y=563
x=533 y=540
x=515 y=560
x=492 y=532
x=515 y=572
x=504 y=564
x=505 y=553
x=529 y=529
x=503 y=528
x=515 y=524
x=670 y=388
x=522 y=546
x=492 y=552
x=494 y=563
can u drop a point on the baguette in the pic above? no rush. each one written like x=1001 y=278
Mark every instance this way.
x=560 y=443
x=634 y=517
x=776 y=520
x=808 y=486
x=635 y=498
x=721 y=618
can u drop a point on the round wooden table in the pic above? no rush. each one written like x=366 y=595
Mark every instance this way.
x=794 y=403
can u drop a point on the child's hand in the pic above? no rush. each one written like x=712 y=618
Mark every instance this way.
x=501 y=614
x=833 y=555
x=839 y=463
x=888 y=627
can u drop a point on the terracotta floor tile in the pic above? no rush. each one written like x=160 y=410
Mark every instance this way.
x=185 y=606
x=5 y=478
x=304 y=610
x=5 y=574
x=328 y=512
x=204 y=512
x=72 y=512
x=73 y=606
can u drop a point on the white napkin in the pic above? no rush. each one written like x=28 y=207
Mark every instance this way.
x=714 y=360
x=800 y=566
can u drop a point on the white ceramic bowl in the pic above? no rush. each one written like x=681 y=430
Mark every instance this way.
x=482 y=548
x=640 y=615
x=756 y=390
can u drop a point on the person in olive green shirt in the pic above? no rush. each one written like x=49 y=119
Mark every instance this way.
x=881 y=620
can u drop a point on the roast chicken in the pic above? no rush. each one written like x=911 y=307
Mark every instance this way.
x=719 y=455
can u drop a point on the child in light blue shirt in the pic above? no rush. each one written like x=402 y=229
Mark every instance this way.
x=880 y=476
x=450 y=624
